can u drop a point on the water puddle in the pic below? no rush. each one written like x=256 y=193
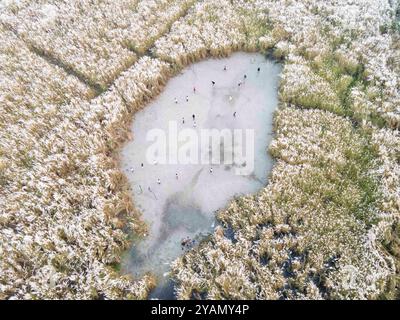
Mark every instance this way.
x=178 y=201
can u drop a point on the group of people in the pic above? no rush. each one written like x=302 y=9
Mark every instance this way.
x=187 y=243
x=131 y=169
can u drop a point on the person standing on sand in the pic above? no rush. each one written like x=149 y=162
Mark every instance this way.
x=194 y=89
x=194 y=117
x=158 y=181
x=213 y=82
x=234 y=114
x=183 y=120
x=258 y=69
x=176 y=175
x=176 y=100
x=187 y=98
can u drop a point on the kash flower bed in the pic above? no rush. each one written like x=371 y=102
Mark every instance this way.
x=72 y=75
